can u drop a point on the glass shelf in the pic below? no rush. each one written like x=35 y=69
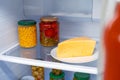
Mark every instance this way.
x=40 y=56
x=82 y=15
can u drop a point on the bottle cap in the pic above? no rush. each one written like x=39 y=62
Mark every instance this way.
x=26 y=22
x=48 y=18
x=81 y=76
x=53 y=76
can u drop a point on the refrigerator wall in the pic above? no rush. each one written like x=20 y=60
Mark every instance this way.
x=76 y=19
x=66 y=8
x=10 y=12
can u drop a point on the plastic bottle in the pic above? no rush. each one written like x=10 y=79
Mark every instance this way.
x=111 y=42
x=27 y=78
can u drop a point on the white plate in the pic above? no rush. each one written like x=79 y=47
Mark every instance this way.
x=75 y=59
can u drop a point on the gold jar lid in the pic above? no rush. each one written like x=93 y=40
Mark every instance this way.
x=49 y=18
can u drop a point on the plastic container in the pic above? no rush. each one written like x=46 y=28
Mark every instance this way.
x=27 y=33
x=49 y=31
x=38 y=72
x=56 y=77
x=27 y=78
x=81 y=76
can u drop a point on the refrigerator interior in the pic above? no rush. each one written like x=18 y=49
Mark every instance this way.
x=76 y=19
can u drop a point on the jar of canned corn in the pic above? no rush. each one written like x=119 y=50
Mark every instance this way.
x=38 y=72
x=49 y=31
x=27 y=33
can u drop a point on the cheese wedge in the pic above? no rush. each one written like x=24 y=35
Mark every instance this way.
x=76 y=47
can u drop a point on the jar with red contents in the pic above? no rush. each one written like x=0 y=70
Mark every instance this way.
x=49 y=31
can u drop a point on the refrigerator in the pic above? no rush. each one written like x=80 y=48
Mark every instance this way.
x=76 y=18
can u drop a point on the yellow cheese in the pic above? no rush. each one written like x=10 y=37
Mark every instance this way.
x=76 y=47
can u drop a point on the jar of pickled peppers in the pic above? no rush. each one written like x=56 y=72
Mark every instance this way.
x=27 y=33
x=49 y=31
x=38 y=72
x=56 y=71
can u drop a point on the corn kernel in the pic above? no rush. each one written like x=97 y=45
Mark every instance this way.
x=27 y=36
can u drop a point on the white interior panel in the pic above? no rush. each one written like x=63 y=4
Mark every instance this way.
x=33 y=7
x=10 y=13
x=72 y=29
x=72 y=6
x=97 y=8
x=69 y=9
x=57 y=7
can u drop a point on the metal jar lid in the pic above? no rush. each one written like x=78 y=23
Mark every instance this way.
x=81 y=76
x=49 y=18
x=26 y=22
x=53 y=76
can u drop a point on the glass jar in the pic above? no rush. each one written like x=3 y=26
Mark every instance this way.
x=38 y=72
x=57 y=77
x=49 y=31
x=27 y=33
x=56 y=71
x=81 y=76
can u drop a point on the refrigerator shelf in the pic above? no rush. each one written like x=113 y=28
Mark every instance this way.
x=82 y=15
x=40 y=56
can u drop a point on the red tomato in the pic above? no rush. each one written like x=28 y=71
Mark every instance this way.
x=49 y=32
